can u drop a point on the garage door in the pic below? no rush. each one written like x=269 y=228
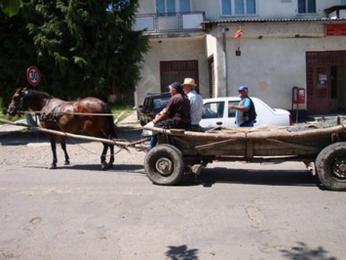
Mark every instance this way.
x=171 y=71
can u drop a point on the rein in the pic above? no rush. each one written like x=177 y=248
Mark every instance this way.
x=70 y=113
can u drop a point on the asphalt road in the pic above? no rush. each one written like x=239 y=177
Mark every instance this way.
x=236 y=210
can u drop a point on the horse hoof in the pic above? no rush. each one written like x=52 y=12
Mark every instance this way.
x=67 y=163
x=53 y=166
x=104 y=166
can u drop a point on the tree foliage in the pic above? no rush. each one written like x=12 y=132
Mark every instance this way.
x=10 y=7
x=81 y=47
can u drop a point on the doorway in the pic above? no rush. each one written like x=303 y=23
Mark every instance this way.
x=211 y=72
x=326 y=82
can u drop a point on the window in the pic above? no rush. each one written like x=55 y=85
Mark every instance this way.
x=231 y=112
x=213 y=110
x=184 y=6
x=306 y=6
x=165 y=7
x=226 y=7
x=251 y=6
x=240 y=7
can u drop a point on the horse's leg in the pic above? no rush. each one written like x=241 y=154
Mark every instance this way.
x=103 y=157
x=63 y=147
x=111 y=159
x=53 y=147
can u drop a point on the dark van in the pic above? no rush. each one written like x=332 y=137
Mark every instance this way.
x=152 y=105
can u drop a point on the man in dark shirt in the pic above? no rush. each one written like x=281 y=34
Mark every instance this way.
x=177 y=109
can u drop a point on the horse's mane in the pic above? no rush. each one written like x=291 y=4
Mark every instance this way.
x=40 y=93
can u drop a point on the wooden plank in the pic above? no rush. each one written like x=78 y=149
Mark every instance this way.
x=296 y=146
x=214 y=144
x=253 y=134
x=249 y=149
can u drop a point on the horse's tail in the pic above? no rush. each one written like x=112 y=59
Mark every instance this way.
x=110 y=123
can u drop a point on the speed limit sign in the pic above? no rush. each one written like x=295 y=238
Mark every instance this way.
x=33 y=75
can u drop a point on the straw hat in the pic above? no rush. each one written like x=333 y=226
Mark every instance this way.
x=189 y=82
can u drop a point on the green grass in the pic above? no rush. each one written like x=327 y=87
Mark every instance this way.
x=2 y=116
x=6 y=117
x=121 y=111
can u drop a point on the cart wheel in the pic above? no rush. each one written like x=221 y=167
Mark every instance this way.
x=331 y=166
x=164 y=165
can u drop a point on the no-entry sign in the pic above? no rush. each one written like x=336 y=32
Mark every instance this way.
x=33 y=75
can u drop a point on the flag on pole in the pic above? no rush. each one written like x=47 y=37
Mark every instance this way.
x=238 y=33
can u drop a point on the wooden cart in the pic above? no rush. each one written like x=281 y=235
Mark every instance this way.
x=319 y=147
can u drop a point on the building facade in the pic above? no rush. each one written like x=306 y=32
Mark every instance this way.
x=282 y=44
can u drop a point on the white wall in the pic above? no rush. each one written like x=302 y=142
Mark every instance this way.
x=265 y=8
x=271 y=66
x=289 y=8
x=172 y=49
x=212 y=51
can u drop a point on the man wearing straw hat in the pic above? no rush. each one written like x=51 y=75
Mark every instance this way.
x=196 y=102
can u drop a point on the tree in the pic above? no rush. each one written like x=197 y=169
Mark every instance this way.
x=81 y=47
x=10 y=7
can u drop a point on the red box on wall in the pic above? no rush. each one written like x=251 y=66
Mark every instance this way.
x=336 y=30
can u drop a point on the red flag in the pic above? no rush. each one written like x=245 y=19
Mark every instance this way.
x=238 y=34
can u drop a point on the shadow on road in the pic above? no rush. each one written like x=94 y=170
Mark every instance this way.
x=211 y=176
x=97 y=167
x=26 y=137
x=181 y=253
x=303 y=252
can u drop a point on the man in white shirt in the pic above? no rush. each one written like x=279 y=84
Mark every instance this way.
x=196 y=102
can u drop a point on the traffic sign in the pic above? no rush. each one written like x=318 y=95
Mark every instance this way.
x=33 y=75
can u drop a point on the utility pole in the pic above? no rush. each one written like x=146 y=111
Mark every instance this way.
x=225 y=64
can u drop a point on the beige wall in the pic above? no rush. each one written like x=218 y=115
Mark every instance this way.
x=271 y=66
x=169 y=50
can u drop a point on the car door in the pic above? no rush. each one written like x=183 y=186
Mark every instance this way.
x=230 y=114
x=213 y=114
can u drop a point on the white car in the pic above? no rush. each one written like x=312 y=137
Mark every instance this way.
x=216 y=113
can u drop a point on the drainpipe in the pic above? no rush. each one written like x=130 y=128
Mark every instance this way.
x=225 y=63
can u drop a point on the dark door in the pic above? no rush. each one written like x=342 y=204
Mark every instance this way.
x=171 y=71
x=211 y=77
x=326 y=85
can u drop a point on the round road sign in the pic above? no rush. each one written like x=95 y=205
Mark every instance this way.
x=33 y=75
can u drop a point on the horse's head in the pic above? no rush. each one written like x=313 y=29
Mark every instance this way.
x=18 y=101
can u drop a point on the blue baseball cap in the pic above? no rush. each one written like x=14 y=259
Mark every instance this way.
x=243 y=88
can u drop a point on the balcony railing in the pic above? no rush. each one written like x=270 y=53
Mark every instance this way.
x=175 y=22
x=336 y=12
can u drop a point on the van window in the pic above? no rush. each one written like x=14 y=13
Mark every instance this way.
x=213 y=109
x=160 y=103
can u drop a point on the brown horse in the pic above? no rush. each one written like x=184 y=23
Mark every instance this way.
x=68 y=116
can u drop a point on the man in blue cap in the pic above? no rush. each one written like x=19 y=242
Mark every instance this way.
x=245 y=111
